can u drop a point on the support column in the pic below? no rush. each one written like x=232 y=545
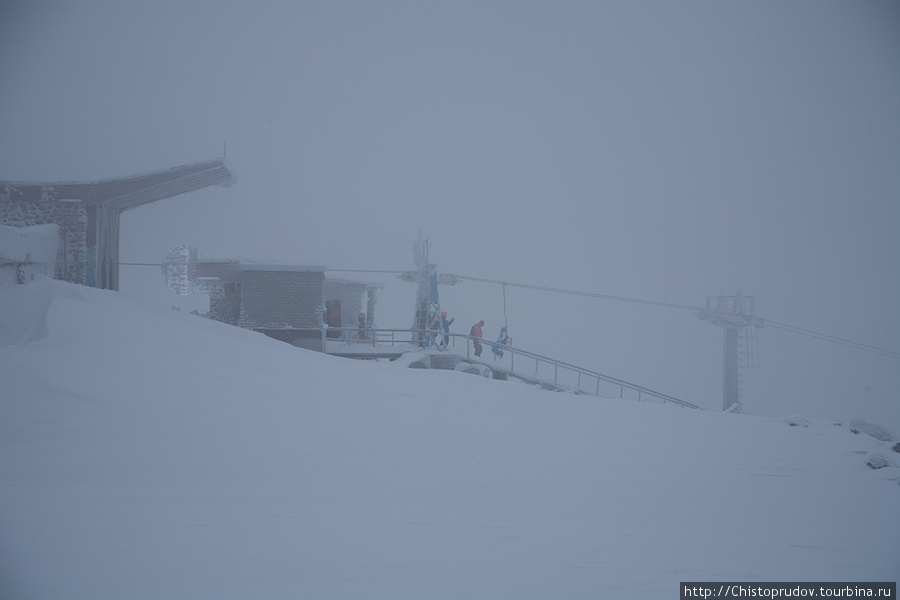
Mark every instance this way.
x=108 y=248
x=730 y=393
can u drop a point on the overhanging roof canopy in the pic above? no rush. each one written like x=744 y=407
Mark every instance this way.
x=121 y=194
x=105 y=201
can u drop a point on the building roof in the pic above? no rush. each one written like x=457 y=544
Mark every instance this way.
x=368 y=284
x=231 y=269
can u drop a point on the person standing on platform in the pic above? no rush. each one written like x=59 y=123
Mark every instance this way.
x=476 y=333
x=445 y=328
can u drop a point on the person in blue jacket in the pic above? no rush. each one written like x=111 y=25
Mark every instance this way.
x=503 y=339
x=445 y=328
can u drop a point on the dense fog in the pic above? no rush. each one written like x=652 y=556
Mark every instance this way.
x=655 y=151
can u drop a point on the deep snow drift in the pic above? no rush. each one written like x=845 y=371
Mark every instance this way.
x=156 y=454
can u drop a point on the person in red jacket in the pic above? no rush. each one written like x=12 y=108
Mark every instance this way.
x=476 y=335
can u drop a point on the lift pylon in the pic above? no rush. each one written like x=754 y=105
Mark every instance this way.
x=735 y=314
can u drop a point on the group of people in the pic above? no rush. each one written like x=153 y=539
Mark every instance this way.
x=477 y=334
x=365 y=331
x=435 y=328
x=436 y=331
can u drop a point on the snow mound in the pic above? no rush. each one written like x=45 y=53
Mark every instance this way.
x=737 y=408
x=24 y=309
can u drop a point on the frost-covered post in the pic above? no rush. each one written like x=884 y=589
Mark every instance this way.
x=178 y=268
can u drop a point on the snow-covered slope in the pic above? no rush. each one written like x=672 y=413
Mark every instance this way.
x=156 y=454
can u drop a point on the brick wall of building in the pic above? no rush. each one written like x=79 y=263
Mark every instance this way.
x=277 y=299
x=224 y=299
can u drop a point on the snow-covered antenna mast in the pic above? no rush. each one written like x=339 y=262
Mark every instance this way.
x=428 y=307
x=737 y=316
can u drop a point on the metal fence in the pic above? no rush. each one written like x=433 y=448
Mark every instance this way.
x=370 y=336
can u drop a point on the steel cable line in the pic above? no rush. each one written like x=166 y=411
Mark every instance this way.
x=577 y=293
x=366 y=271
x=790 y=328
x=833 y=339
x=783 y=326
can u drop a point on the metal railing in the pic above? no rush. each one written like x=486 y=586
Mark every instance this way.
x=426 y=338
x=568 y=376
x=357 y=336
x=561 y=374
x=371 y=336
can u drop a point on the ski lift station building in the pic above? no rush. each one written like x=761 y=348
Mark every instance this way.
x=78 y=225
x=294 y=303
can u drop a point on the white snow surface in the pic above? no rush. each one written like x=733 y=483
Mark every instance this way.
x=147 y=453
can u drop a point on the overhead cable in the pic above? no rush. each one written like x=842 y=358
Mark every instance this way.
x=791 y=328
x=577 y=293
x=784 y=326
x=365 y=271
x=833 y=339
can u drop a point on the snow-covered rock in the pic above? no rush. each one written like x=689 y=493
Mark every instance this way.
x=873 y=429
x=474 y=369
x=877 y=461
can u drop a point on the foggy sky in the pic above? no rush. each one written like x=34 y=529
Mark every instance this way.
x=654 y=150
